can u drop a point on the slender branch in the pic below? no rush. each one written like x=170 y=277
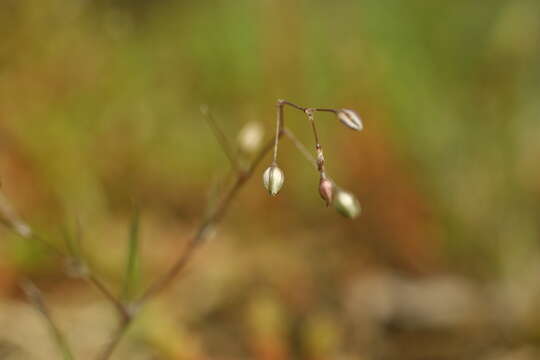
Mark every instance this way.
x=10 y=218
x=215 y=215
x=119 y=306
x=318 y=147
x=115 y=339
x=34 y=296
x=303 y=109
x=309 y=113
x=221 y=137
x=300 y=147
x=280 y=122
x=15 y=224
x=303 y=150
x=297 y=107
x=211 y=220
x=193 y=244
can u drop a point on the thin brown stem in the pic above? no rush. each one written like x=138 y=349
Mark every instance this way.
x=10 y=218
x=15 y=223
x=34 y=296
x=325 y=110
x=215 y=215
x=303 y=109
x=297 y=107
x=280 y=122
x=309 y=113
x=120 y=307
x=300 y=147
x=163 y=282
x=303 y=150
x=318 y=147
x=115 y=339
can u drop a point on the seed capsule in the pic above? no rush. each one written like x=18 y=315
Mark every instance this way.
x=347 y=205
x=273 y=179
x=350 y=119
x=326 y=190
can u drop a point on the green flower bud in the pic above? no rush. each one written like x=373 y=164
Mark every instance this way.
x=346 y=204
x=273 y=179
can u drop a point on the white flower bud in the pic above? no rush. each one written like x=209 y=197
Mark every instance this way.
x=273 y=179
x=346 y=204
x=250 y=137
x=350 y=119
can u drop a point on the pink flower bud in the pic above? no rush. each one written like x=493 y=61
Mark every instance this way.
x=326 y=190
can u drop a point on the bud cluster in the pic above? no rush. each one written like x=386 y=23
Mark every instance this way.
x=273 y=177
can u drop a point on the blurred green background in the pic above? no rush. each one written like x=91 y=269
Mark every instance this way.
x=99 y=109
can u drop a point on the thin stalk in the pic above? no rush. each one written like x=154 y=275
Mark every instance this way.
x=280 y=122
x=12 y=219
x=318 y=147
x=104 y=290
x=300 y=147
x=163 y=282
x=303 y=150
x=34 y=296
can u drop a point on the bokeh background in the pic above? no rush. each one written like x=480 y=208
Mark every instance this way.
x=99 y=110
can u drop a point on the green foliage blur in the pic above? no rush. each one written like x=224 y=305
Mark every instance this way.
x=99 y=113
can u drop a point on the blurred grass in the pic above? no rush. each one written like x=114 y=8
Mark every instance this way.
x=99 y=107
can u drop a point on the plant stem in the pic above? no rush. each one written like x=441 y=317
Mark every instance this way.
x=309 y=113
x=193 y=244
x=300 y=147
x=13 y=220
x=303 y=150
x=98 y=284
x=280 y=122
x=318 y=147
x=34 y=296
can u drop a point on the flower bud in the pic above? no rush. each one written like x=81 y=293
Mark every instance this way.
x=250 y=137
x=347 y=205
x=326 y=190
x=273 y=179
x=350 y=119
